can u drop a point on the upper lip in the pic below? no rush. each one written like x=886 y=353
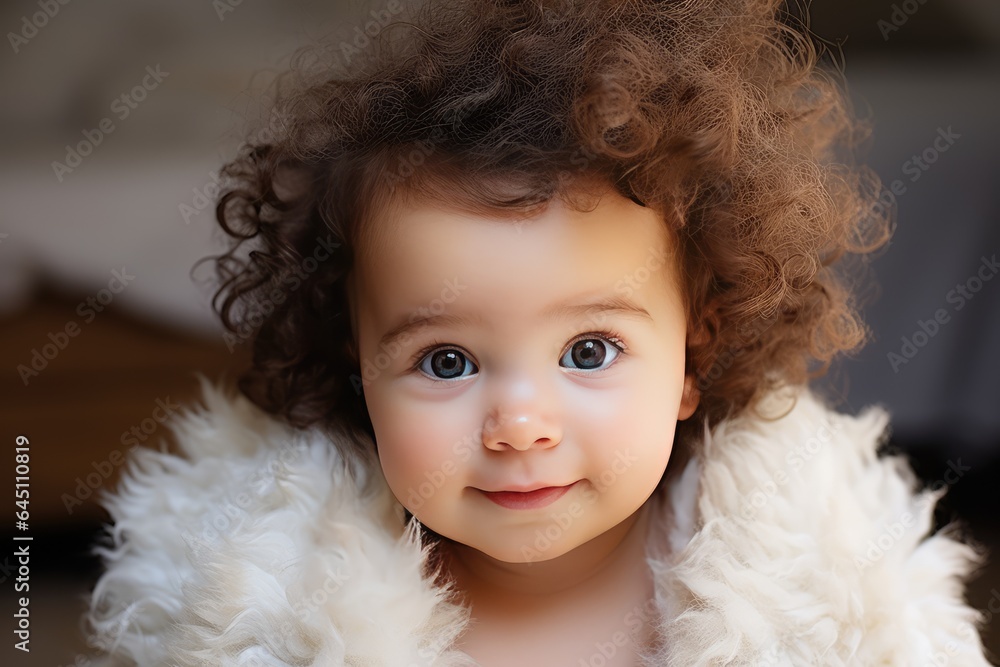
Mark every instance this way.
x=527 y=488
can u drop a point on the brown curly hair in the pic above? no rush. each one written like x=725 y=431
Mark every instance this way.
x=721 y=116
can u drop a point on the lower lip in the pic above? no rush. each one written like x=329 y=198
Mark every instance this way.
x=528 y=500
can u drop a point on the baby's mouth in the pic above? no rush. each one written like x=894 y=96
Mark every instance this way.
x=534 y=499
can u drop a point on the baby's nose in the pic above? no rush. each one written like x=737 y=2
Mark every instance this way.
x=532 y=426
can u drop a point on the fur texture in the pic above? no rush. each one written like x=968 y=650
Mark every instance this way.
x=787 y=542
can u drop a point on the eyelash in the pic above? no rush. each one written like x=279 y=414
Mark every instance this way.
x=609 y=335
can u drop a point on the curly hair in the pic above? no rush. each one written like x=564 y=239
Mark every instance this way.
x=720 y=116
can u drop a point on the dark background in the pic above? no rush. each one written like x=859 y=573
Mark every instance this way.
x=919 y=69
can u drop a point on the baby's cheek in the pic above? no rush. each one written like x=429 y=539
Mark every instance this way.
x=633 y=440
x=413 y=447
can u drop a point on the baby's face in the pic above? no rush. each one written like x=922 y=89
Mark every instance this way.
x=503 y=380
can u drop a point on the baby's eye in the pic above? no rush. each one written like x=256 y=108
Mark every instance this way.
x=590 y=353
x=446 y=363
x=587 y=353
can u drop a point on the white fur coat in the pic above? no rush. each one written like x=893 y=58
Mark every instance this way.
x=786 y=542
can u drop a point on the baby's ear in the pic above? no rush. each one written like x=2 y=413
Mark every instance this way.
x=690 y=398
x=698 y=334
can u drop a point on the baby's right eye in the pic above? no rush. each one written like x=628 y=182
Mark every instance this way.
x=445 y=364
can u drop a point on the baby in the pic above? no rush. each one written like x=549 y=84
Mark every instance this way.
x=571 y=241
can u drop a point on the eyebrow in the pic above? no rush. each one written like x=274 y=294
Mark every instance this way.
x=609 y=304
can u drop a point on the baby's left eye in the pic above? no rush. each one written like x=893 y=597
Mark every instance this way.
x=590 y=353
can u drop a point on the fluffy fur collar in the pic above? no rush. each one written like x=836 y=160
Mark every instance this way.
x=786 y=542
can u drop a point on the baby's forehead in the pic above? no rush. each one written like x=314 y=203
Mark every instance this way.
x=390 y=212
x=560 y=255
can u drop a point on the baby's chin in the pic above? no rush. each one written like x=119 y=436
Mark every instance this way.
x=527 y=549
x=527 y=554
x=510 y=551
x=525 y=546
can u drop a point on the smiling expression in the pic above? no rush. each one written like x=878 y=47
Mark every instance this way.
x=500 y=356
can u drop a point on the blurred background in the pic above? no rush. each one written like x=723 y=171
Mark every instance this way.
x=102 y=319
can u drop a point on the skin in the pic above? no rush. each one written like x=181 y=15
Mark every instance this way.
x=529 y=405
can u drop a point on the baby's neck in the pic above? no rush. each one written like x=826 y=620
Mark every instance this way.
x=556 y=609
